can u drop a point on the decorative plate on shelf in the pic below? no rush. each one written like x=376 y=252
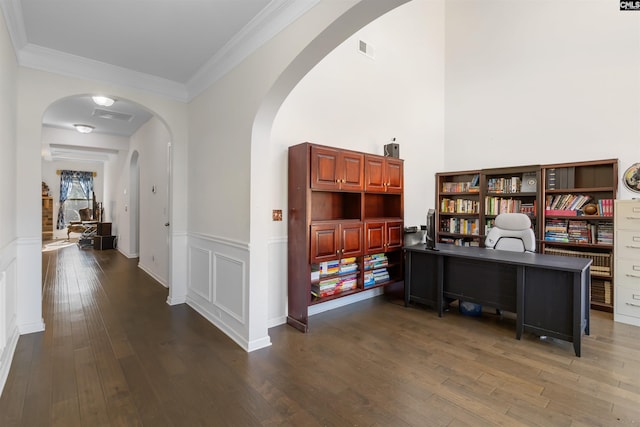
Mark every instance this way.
x=631 y=177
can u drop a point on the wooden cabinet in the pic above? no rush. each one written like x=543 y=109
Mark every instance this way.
x=47 y=218
x=342 y=237
x=383 y=236
x=627 y=262
x=333 y=240
x=570 y=206
x=334 y=169
x=383 y=174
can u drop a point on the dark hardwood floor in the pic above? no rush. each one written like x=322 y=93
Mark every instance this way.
x=115 y=354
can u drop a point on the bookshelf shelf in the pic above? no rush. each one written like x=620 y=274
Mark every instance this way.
x=345 y=214
x=527 y=189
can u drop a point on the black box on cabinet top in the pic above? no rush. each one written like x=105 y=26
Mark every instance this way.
x=104 y=229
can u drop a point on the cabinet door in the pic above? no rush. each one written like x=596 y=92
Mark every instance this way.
x=374 y=174
x=394 y=235
x=351 y=240
x=394 y=175
x=374 y=237
x=352 y=171
x=324 y=242
x=324 y=168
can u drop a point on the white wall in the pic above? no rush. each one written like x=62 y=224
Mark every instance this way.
x=352 y=101
x=228 y=216
x=541 y=82
x=8 y=211
x=151 y=142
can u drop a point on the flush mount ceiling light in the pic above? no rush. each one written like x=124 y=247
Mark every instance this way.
x=103 y=101
x=84 y=128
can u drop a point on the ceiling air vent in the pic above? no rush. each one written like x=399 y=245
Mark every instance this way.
x=112 y=115
x=365 y=48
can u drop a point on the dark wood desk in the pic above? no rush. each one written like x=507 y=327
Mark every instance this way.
x=548 y=293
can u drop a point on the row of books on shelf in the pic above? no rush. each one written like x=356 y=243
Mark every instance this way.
x=459 y=206
x=601 y=291
x=459 y=187
x=566 y=201
x=375 y=277
x=462 y=187
x=334 y=285
x=459 y=242
x=504 y=185
x=578 y=231
x=336 y=266
x=498 y=205
x=460 y=226
x=375 y=261
x=601 y=261
x=573 y=205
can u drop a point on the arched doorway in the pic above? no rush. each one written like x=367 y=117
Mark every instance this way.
x=125 y=158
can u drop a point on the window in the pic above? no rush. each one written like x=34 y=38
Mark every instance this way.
x=76 y=193
x=76 y=201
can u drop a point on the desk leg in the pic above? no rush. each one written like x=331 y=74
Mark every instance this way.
x=520 y=284
x=407 y=277
x=578 y=304
x=586 y=280
x=440 y=291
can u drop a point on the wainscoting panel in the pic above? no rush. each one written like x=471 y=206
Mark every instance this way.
x=229 y=276
x=218 y=287
x=200 y=272
x=8 y=310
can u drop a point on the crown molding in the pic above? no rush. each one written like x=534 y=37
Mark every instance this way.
x=262 y=28
x=270 y=21
x=45 y=59
x=12 y=12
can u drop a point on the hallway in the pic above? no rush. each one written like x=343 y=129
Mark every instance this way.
x=115 y=354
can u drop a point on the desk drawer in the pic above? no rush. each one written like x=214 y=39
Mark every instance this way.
x=628 y=273
x=628 y=216
x=628 y=301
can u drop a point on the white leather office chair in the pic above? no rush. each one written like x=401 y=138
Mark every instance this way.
x=512 y=232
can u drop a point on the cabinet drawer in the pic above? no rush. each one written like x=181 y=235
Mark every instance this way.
x=628 y=244
x=628 y=215
x=628 y=272
x=628 y=301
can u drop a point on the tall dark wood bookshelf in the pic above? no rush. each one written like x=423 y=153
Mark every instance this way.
x=588 y=234
x=568 y=228
x=345 y=225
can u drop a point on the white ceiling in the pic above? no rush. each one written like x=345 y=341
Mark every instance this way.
x=173 y=48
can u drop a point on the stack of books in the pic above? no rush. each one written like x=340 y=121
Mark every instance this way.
x=348 y=265
x=374 y=261
x=375 y=277
x=334 y=285
x=579 y=232
x=605 y=233
x=556 y=230
x=375 y=267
